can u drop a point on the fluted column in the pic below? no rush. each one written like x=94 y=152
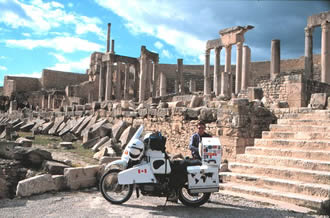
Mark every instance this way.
x=155 y=79
x=309 y=52
x=108 y=87
x=162 y=84
x=101 y=83
x=239 y=47
x=207 y=87
x=143 y=78
x=275 y=58
x=118 y=81
x=126 y=83
x=325 y=53
x=228 y=68
x=216 y=74
x=245 y=67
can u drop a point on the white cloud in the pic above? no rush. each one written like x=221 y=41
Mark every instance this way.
x=165 y=53
x=59 y=57
x=3 y=68
x=158 y=45
x=3 y=57
x=26 y=34
x=42 y=17
x=70 y=5
x=64 y=44
x=72 y=66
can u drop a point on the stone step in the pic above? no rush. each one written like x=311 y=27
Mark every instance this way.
x=298 y=199
x=318 y=122
x=318 y=114
x=297 y=135
x=312 y=189
x=302 y=154
x=298 y=128
x=280 y=172
x=286 y=162
x=294 y=144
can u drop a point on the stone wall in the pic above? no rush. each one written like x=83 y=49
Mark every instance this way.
x=52 y=79
x=88 y=91
x=20 y=84
x=292 y=88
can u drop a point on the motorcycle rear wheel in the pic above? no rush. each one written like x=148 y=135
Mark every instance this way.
x=112 y=191
x=192 y=200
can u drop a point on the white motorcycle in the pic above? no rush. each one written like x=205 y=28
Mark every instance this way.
x=145 y=167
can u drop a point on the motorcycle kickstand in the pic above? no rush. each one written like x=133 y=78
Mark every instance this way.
x=137 y=192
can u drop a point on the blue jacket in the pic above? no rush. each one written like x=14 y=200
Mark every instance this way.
x=194 y=142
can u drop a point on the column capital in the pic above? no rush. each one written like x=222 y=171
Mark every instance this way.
x=325 y=26
x=309 y=31
x=239 y=44
x=207 y=52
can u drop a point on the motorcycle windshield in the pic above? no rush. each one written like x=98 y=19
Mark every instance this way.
x=136 y=135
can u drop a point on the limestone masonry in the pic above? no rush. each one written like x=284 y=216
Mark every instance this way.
x=272 y=117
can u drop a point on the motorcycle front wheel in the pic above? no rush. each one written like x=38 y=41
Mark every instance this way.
x=192 y=199
x=112 y=191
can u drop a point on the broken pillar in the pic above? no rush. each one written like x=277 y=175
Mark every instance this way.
x=143 y=77
x=216 y=75
x=245 y=67
x=228 y=68
x=126 y=84
x=309 y=52
x=207 y=87
x=192 y=85
x=108 y=87
x=180 y=75
x=239 y=47
x=118 y=81
x=112 y=46
x=101 y=84
x=108 y=37
x=155 y=79
x=162 y=84
x=275 y=58
x=325 y=52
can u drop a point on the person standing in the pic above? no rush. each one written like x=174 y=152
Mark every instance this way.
x=196 y=138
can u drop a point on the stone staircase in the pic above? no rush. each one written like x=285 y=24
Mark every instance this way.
x=290 y=163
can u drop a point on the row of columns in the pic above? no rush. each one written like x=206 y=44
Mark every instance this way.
x=325 y=52
x=222 y=83
x=148 y=79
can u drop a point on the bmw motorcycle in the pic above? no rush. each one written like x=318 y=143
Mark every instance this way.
x=146 y=168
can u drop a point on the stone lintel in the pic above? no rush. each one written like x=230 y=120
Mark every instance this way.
x=318 y=19
x=214 y=43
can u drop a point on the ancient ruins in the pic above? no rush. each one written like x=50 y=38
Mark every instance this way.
x=272 y=117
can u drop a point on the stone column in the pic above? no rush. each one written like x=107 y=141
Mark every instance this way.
x=225 y=84
x=112 y=46
x=126 y=84
x=49 y=101
x=228 y=68
x=143 y=78
x=101 y=84
x=43 y=102
x=216 y=75
x=192 y=85
x=162 y=84
x=176 y=85
x=118 y=81
x=239 y=47
x=180 y=74
x=245 y=67
x=155 y=79
x=325 y=53
x=275 y=58
x=108 y=87
x=108 y=37
x=149 y=79
x=309 y=52
x=136 y=80
x=207 y=87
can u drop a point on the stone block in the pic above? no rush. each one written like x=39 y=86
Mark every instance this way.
x=57 y=124
x=208 y=115
x=46 y=127
x=81 y=177
x=163 y=112
x=69 y=137
x=24 y=142
x=192 y=113
x=100 y=143
x=107 y=159
x=78 y=129
x=27 y=127
x=126 y=136
x=255 y=93
x=59 y=181
x=90 y=143
x=175 y=104
x=318 y=100
x=96 y=105
x=66 y=145
x=54 y=168
x=195 y=101
x=143 y=112
x=118 y=129
x=35 y=185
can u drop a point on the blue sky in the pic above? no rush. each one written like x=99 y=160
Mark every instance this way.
x=61 y=34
